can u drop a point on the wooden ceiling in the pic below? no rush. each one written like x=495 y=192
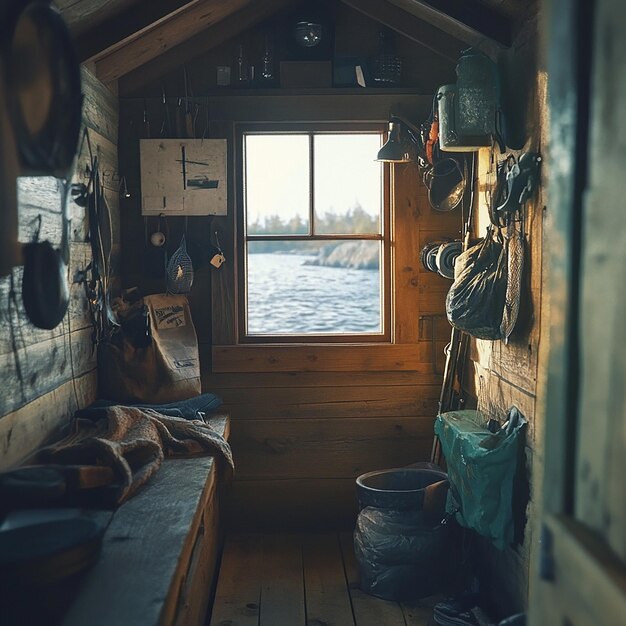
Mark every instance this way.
x=147 y=38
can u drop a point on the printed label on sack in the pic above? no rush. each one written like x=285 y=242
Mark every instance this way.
x=182 y=363
x=170 y=316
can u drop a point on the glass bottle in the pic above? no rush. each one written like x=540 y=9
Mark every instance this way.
x=267 y=62
x=387 y=65
x=242 y=66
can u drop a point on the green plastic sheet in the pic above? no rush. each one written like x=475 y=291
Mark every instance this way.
x=482 y=468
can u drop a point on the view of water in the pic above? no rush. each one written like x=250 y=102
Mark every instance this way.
x=285 y=296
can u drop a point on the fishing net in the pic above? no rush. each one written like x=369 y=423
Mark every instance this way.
x=514 y=244
x=179 y=271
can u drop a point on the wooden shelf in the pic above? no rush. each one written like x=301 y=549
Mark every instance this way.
x=278 y=91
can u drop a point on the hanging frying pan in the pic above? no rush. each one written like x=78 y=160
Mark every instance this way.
x=43 y=90
x=45 y=289
x=44 y=102
x=446 y=185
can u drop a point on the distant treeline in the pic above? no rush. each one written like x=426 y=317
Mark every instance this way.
x=354 y=221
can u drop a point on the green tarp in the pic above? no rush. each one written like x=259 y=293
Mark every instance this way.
x=482 y=467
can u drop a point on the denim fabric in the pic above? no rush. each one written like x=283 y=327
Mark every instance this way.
x=188 y=409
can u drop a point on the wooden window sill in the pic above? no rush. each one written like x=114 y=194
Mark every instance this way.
x=370 y=357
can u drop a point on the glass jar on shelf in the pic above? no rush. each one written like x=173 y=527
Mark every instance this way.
x=387 y=65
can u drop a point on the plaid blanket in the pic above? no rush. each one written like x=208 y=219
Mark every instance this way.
x=133 y=442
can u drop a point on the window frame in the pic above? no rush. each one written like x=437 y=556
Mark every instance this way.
x=384 y=237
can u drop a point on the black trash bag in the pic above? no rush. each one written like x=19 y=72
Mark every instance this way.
x=476 y=300
x=400 y=557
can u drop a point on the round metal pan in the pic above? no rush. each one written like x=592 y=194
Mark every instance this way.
x=43 y=91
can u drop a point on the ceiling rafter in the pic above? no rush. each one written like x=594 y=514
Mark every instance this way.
x=468 y=19
x=410 y=26
x=120 y=29
x=175 y=57
x=82 y=15
x=170 y=32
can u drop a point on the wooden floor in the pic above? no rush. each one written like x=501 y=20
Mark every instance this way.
x=300 y=580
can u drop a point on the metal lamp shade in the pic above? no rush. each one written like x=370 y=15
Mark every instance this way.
x=399 y=148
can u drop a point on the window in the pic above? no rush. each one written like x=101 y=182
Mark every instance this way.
x=314 y=237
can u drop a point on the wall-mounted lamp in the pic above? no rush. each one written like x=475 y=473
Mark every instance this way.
x=403 y=144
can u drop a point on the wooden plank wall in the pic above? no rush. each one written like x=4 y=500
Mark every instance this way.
x=307 y=420
x=46 y=374
x=355 y=34
x=505 y=375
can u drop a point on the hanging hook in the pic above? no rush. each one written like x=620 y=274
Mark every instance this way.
x=123 y=188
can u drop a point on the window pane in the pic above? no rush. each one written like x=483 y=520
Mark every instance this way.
x=348 y=184
x=309 y=287
x=277 y=184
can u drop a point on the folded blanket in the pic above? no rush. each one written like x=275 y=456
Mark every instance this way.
x=133 y=442
x=189 y=409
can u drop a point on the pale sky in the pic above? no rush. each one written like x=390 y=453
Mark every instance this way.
x=277 y=176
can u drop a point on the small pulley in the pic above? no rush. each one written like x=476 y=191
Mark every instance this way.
x=440 y=256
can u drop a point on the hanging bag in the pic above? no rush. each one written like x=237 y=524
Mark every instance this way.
x=476 y=300
x=484 y=471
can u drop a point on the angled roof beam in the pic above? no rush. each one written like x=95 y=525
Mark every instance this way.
x=467 y=17
x=410 y=26
x=168 y=33
x=122 y=28
x=175 y=57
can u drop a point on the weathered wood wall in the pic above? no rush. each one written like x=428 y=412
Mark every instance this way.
x=305 y=420
x=308 y=419
x=500 y=375
x=46 y=374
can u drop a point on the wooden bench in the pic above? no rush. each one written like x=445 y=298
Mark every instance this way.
x=160 y=551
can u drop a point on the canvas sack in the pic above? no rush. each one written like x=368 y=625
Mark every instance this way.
x=167 y=369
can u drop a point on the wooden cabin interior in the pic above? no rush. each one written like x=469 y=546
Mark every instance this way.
x=318 y=320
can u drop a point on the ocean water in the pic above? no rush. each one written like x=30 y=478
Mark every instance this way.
x=285 y=296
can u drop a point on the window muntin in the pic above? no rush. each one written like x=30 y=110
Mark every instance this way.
x=317 y=273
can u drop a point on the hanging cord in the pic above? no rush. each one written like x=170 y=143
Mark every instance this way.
x=14 y=347
x=71 y=353
x=207 y=125
x=165 y=124
x=467 y=234
x=457 y=338
x=65 y=251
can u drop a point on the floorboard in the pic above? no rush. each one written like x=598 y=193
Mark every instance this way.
x=239 y=584
x=282 y=592
x=368 y=610
x=326 y=589
x=301 y=579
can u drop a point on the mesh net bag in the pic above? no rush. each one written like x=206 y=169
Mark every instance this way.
x=514 y=244
x=179 y=271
